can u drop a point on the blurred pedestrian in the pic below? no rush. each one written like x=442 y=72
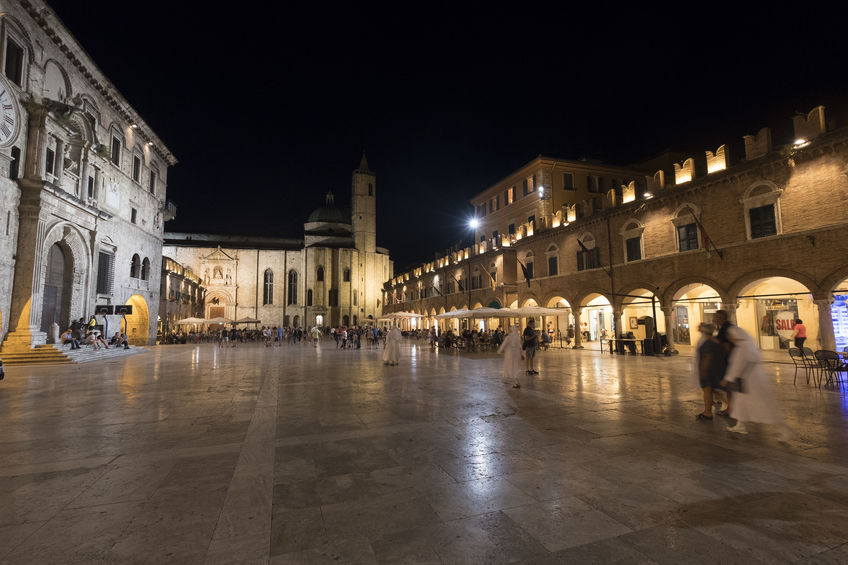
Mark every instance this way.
x=513 y=356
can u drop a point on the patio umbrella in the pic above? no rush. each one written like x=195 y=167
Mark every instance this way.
x=248 y=321
x=190 y=321
x=218 y=320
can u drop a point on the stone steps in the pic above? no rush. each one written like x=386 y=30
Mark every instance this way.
x=39 y=355
x=55 y=354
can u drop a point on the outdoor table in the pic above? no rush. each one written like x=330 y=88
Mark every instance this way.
x=623 y=340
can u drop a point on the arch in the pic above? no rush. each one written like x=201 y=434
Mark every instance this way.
x=138 y=323
x=530 y=300
x=760 y=187
x=319 y=273
x=633 y=288
x=749 y=278
x=552 y=248
x=672 y=290
x=145 y=269
x=135 y=266
x=588 y=239
x=682 y=209
x=631 y=224
x=296 y=322
x=78 y=272
x=589 y=296
x=477 y=305
x=833 y=280
x=494 y=304
x=556 y=301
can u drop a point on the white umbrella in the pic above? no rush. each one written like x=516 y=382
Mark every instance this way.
x=248 y=321
x=218 y=320
x=189 y=321
x=533 y=311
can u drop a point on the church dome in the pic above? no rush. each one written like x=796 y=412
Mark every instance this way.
x=328 y=213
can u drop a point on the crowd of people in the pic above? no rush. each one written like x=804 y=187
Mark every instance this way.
x=81 y=333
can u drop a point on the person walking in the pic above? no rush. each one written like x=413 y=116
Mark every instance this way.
x=799 y=333
x=709 y=367
x=512 y=350
x=392 y=349
x=316 y=336
x=755 y=400
x=530 y=346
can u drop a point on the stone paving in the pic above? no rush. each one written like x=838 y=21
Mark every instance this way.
x=194 y=454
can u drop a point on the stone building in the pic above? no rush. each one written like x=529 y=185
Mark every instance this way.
x=82 y=194
x=181 y=294
x=332 y=276
x=761 y=235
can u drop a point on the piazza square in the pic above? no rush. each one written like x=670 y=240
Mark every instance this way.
x=294 y=454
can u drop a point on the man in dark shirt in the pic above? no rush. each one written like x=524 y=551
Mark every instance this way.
x=711 y=366
x=722 y=322
x=529 y=346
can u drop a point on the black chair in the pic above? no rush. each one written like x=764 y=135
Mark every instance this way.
x=812 y=362
x=831 y=365
x=800 y=363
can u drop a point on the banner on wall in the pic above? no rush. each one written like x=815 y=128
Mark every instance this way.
x=839 y=312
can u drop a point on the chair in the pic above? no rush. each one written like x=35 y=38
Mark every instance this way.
x=831 y=364
x=812 y=362
x=798 y=360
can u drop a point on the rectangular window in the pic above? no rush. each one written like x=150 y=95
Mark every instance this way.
x=49 y=161
x=567 y=181
x=511 y=229
x=588 y=259
x=495 y=235
x=762 y=221
x=498 y=202
x=529 y=266
x=14 y=68
x=634 y=248
x=532 y=220
x=136 y=172
x=687 y=237
x=509 y=196
x=525 y=187
x=152 y=182
x=105 y=266
x=133 y=215
x=553 y=266
x=91 y=187
x=591 y=184
x=116 y=151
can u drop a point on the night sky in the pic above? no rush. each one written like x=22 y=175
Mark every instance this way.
x=269 y=108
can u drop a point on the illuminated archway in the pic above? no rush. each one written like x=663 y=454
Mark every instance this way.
x=768 y=308
x=559 y=324
x=692 y=304
x=637 y=306
x=138 y=323
x=595 y=317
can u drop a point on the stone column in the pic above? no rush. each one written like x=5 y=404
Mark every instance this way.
x=25 y=312
x=83 y=175
x=730 y=307
x=826 y=335
x=617 y=313
x=59 y=165
x=97 y=179
x=669 y=332
x=578 y=336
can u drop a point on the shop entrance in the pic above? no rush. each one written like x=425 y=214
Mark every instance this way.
x=693 y=304
x=769 y=307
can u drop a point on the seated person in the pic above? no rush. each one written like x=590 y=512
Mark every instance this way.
x=99 y=340
x=67 y=337
x=631 y=345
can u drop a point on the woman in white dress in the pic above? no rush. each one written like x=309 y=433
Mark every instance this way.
x=513 y=356
x=392 y=349
x=755 y=401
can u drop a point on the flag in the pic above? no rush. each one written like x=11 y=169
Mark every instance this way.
x=459 y=283
x=706 y=238
x=494 y=284
x=583 y=247
x=525 y=271
x=437 y=290
x=394 y=294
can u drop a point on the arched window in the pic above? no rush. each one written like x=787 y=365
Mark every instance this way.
x=145 y=269
x=528 y=265
x=631 y=235
x=135 y=266
x=686 y=228
x=268 y=294
x=292 y=287
x=762 y=210
x=346 y=275
x=319 y=274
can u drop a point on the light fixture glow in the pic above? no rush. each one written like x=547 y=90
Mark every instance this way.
x=647 y=195
x=541 y=190
x=800 y=142
x=473 y=223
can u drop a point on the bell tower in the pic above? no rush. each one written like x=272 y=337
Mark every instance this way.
x=364 y=208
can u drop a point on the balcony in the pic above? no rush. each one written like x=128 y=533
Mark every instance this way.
x=169 y=210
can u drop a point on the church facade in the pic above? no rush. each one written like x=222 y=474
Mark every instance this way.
x=332 y=276
x=82 y=189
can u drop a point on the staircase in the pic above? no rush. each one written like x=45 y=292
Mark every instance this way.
x=52 y=354
x=39 y=355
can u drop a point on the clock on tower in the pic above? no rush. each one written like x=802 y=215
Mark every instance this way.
x=10 y=115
